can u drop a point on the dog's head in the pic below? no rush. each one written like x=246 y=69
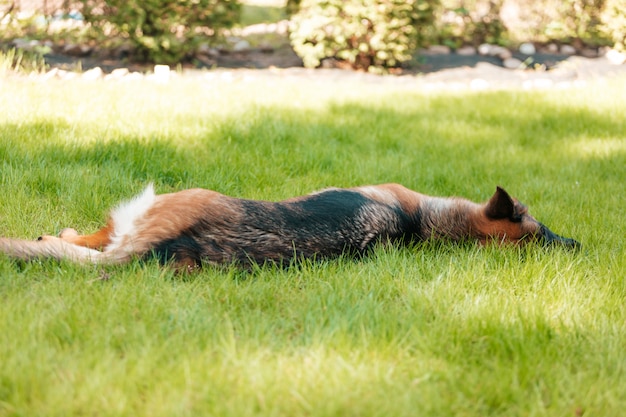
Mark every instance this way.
x=507 y=220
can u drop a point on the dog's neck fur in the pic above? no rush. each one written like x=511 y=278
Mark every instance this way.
x=445 y=218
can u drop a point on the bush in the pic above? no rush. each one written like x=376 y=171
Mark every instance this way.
x=614 y=23
x=368 y=34
x=161 y=31
x=577 y=21
x=473 y=22
x=292 y=6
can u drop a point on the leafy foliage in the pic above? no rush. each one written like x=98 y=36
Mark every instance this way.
x=368 y=34
x=569 y=21
x=162 y=31
x=293 y=6
x=461 y=22
x=614 y=23
x=577 y=19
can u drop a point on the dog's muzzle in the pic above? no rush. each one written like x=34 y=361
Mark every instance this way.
x=551 y=238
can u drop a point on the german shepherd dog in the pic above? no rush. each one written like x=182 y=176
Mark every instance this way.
x=195 y=226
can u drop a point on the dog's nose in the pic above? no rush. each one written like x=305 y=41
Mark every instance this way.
x=569 y=243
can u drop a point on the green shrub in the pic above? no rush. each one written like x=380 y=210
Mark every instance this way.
x=577 y=19
x=473 y=22
x=292 y=6
x=161 y=31
x=563 y=21
x=614 y=23
x=368 y=34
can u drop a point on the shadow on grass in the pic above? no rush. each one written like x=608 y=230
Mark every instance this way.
x=434 y=144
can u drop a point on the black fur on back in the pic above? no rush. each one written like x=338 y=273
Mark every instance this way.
x=321 y=225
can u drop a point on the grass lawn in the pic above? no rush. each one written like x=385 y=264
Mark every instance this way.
x=435 y=330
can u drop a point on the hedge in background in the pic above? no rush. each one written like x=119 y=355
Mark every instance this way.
x=578 y=22
x=470 y=22
x=368 y=34
x=614 y=23
x=161 y=31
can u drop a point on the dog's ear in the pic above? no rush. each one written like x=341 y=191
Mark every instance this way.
x=500 y=206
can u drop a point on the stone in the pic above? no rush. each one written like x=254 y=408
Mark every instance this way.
x=209 y=52
x=567 y=50
x=120 y=72
x=504 y=53
x=241 y=46
x=551 y=48
x=67 y=75
x=527 y=48
x=589 y=53
x=266 y=48
x=73 y=49
x=161 y=73
x=206 y=61
x=438 y=50
x=117 y=74
x=615 y=57
x=133 y=76
x=466 y=51
x=93 y=74
x=53 y=73
x=484 y=49
x=25 y=44
x=124 y=50
x=500 y=51
x=494 y=50
x=512 y=63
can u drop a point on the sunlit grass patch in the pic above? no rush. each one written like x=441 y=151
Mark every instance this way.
x=432 y=330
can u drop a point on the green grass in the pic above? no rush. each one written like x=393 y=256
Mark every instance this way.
x=435 y=330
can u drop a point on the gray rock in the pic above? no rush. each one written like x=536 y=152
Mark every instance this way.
x=93 y=74
x=208 y=51
x=53 y=73
x=25 y=44
x=73 y=49
x=504 y=53
x=512 y=63
x=567 y=50
x=117 y=74
x=484 y=49
x=494 y=50
x=551 y=48
x=589 y=53
x=615 y=57
x=527 y=48
x=466 y=51
x=438 y=50
x=266 y=48
x=241 y=46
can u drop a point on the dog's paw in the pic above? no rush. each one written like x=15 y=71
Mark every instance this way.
x=68 y=233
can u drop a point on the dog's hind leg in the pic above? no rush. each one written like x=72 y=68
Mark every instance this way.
x=97 y=240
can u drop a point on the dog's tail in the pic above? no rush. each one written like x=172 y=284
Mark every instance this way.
x=55 y=248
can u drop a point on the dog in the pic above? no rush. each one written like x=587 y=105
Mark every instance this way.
x=196 y=226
